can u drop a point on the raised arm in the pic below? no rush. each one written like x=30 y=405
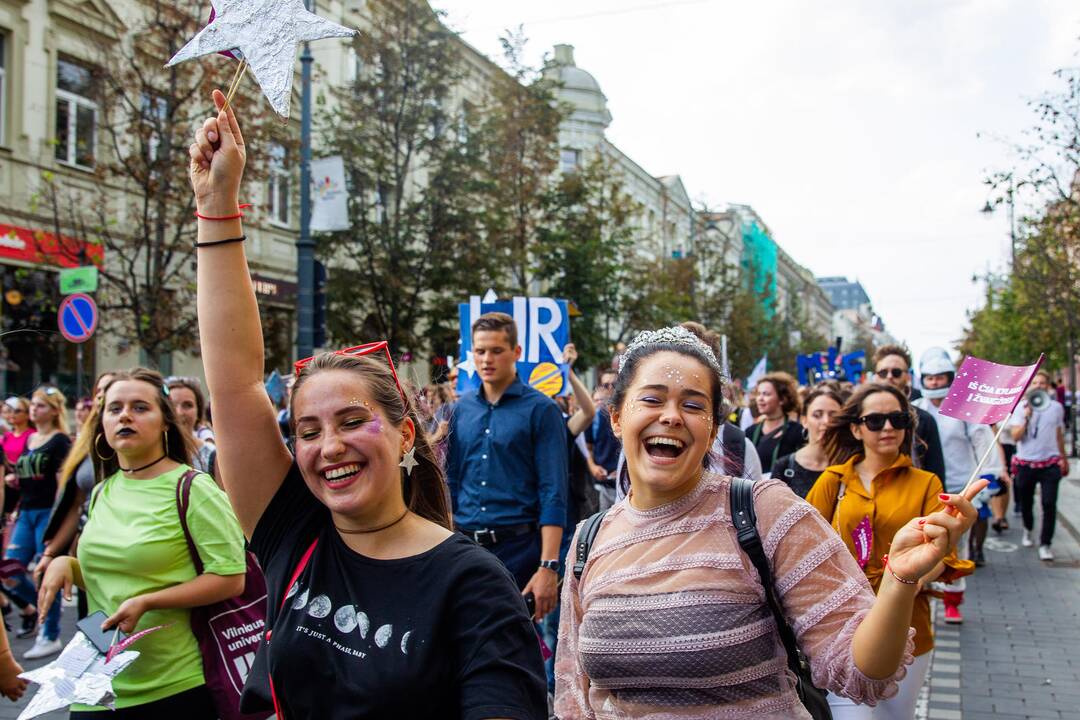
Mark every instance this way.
x=251 y=457
x=586 y=408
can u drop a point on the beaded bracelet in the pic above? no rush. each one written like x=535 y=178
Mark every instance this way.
x=885 y=564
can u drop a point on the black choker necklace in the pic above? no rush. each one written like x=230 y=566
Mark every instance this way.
x=148 y=465
x=376 y=529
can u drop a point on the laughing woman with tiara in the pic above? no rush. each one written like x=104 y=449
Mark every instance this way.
x=669 y=618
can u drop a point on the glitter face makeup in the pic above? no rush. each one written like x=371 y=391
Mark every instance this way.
x=666 y=424
x=346 y=459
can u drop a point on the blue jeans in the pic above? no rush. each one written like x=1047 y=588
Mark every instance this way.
x=550 y=623
x=27 y=541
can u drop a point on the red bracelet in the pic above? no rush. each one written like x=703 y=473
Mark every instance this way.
x=885 y=564
x=237 y=216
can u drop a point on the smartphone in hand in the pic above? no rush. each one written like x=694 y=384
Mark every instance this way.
x=90 y=626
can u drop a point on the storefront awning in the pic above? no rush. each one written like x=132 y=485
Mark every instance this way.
x=42 y=248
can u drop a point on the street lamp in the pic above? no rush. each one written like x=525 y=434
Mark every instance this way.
x=305 y=245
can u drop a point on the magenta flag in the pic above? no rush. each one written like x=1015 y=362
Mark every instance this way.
x=985 y=392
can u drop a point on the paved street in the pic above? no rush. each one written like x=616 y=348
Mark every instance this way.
x=8 y=710
x=1017 y=655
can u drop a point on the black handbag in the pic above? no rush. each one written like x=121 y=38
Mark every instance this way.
x=742 y=514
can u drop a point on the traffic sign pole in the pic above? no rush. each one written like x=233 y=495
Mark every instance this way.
x=77 y=319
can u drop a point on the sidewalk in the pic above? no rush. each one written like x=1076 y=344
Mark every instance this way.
x=10 y=710
x=1017 y=655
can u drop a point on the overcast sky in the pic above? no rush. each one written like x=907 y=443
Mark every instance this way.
x=851 y=127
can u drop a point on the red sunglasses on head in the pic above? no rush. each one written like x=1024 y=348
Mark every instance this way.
x=357 y=351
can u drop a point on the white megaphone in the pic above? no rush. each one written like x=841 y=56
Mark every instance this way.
x=1039 y=400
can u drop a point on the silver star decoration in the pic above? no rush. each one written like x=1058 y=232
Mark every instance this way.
x=267 y=32
x=409 y=460
x=79 y=675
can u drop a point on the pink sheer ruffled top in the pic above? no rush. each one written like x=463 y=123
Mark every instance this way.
x=669 y=620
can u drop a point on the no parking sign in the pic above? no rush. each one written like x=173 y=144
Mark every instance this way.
x=77 y=318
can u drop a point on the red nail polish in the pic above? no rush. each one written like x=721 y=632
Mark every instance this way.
x=922 y=522
x=944 y=498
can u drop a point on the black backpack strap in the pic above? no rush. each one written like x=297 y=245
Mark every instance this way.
x=589 y=529
x=742 y=514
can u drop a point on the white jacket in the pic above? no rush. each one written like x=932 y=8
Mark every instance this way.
x=963 y=445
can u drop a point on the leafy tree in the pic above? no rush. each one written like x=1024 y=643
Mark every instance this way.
x=586 y=234
x=414 y=192
x=520 y=136
x=1043 y=287
x=1004 y=329
x=146 y=120
x=656 y=293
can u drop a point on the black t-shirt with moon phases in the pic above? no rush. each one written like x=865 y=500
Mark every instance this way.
x=443 y=634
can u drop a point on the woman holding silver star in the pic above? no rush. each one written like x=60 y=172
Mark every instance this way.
x=377 y=608
x=133 y=559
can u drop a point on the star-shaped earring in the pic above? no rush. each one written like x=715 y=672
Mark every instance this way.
x=267 y=32
x=408 y=461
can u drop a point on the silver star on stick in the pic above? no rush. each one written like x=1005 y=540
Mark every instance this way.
x=79 y=675
x=267 y=32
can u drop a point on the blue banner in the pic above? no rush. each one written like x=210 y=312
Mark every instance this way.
x=543 y=326
x=816 y=367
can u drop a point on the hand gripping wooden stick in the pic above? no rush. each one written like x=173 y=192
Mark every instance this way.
x=235 y=85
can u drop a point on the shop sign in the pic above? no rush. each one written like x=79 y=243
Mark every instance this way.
x=78 y=279
x=42 y=248
x=274 y=290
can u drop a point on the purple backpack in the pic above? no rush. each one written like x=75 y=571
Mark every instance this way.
x=228 y=632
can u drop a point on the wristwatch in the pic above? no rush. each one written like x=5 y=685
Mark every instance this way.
x=552 y=565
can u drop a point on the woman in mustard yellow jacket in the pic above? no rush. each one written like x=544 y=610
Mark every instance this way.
x=870 y=492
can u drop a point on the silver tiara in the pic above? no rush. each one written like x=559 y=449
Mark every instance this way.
x=676 y=335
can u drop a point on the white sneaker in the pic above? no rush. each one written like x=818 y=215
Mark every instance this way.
x=43 y=648
x=1045 y=553
x=1026 y=541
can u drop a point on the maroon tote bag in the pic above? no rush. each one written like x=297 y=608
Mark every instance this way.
x=228 y=632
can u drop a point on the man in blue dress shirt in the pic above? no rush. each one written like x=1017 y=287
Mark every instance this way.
x=507 y=466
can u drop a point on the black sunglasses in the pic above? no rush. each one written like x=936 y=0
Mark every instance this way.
x=875 y=422
x=897 y=373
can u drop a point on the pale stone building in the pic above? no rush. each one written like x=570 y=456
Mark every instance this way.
x=50 y=124
x=667 y=224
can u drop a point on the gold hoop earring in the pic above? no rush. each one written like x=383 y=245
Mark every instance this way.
x=98 y=452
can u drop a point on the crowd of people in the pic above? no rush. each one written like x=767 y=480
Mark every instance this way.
x=492 y=553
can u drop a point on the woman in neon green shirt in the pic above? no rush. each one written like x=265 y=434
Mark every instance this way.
x=133 y=560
